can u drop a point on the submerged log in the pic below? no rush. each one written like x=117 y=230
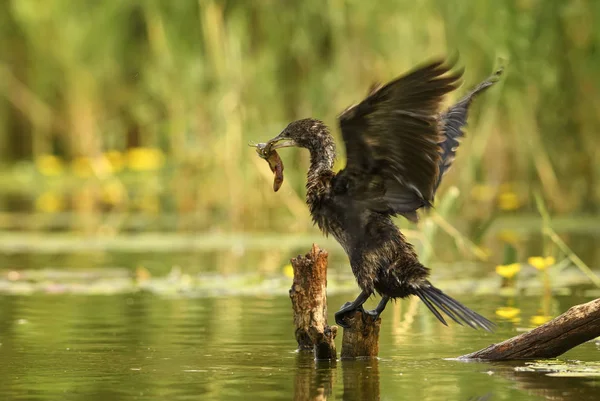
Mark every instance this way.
x=361 y=339
x=579 y=324
x=309 y=303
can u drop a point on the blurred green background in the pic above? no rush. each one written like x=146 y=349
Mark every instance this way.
x=122 y=117
x=143 y=252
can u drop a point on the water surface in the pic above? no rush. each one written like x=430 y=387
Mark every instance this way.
x=149 y=347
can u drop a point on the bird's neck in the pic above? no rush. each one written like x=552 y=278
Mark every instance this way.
x=322 y=158
x=320 y=173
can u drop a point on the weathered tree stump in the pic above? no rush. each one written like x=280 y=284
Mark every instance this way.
x=361 y=339
x=309 y=302
x=579 y=324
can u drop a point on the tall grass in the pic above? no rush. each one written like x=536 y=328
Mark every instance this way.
x=197 y=80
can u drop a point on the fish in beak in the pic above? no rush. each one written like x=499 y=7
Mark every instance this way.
x=267 y=151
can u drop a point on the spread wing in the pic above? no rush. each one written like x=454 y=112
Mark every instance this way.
x=453 y=120
x=393 y=142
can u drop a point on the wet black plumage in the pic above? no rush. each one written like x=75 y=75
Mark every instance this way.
x=398 y=148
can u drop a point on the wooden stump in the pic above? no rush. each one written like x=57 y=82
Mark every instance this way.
x=579 y=324
x=361 y=339
x=309 y=303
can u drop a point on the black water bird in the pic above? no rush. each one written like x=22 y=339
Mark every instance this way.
x=398 y=148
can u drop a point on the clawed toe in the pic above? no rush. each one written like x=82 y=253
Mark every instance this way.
x=340 y=320
x=345 y=310
x=372 y=313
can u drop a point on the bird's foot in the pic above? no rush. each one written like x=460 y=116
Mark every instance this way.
x=374 y=314
x=347 y=309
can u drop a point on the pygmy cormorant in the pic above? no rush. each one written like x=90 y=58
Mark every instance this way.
x=398 y=148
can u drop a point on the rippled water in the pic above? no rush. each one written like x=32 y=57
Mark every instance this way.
x=125 y=347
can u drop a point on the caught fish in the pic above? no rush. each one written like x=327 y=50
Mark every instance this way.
x=275 y=163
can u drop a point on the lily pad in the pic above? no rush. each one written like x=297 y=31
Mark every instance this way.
x=563 y=368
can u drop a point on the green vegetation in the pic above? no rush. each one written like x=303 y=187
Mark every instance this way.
x=144 y=108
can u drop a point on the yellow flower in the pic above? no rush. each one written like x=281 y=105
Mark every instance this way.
x=508 y=201
x=113 y=193
x=82 y=167
x=49 y=202
x=288 y=271
x=539 y=319
x=482 y=192
x=142 y=274
x=508 y=236
x=115 y=158
x=49 y=165
x=540 y=262
x=508 y=312
x=145 y=159
x=508 y=271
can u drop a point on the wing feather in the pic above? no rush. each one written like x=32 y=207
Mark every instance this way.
x=393 y=142
x=452 y=122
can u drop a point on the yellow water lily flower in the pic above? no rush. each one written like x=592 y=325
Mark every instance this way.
x=539 y=319
x=116 y=160
x=508 y=271
x=49 y=165
x=508 y=312
x=113 y=193
x=509 y=236
x=49 y=202
x=508 y=201
x=482 y=193
x=288 y=270
x=145 y=159
x=540 y=262
x=82 y=167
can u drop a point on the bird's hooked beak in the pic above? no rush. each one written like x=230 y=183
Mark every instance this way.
x=265 y=150
x=280 y=142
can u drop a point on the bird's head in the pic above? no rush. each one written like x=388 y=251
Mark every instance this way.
x=307 y=133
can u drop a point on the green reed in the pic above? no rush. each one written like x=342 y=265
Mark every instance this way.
x=198 y=80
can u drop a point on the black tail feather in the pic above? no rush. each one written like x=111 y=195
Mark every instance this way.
x=455 y=315
x=433 y=297
x=431 y=307
x=470 y=315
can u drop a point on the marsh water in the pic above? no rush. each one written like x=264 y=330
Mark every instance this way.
x=68 y=344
